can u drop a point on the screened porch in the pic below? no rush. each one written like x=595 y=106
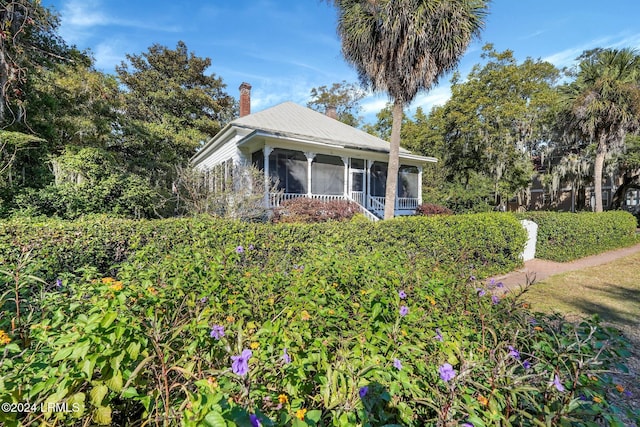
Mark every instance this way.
x=327 y=177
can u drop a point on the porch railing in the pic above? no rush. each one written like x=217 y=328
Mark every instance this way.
x=376 y=205
x=276 y=199
x=406 y=203
x=358 y=197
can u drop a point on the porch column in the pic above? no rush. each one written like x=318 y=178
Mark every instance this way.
x=368 y=186
x=345 y=160
x=310 y=156
x=266 y=151
x=419 y=185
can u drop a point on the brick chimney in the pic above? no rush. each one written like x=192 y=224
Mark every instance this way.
x=245 y=99
x=332 y=112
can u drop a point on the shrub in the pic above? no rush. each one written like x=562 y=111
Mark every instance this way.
x=453 y=246
x=307 y=210
x=208 y=335
x=567 y=236
x=427 y=209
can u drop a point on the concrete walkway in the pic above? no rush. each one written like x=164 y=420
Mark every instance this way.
x=538 y=269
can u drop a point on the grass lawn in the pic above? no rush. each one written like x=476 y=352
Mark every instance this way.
x=611 y=291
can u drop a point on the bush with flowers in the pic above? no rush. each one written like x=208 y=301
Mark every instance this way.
x=218 y=333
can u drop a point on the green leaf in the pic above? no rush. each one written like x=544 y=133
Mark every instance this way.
x=129 y=392
x=63 y=353
x=214 y=419
x=108 y=319
x=115 y=382
x=102 y=416
x=97 y=394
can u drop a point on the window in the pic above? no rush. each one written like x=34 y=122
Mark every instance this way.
x=289 y=169
x=378 y=179
x=408 y=182
x=327 y=175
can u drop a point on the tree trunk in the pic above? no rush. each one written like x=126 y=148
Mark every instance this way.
x=394 y=162
x=597 y=173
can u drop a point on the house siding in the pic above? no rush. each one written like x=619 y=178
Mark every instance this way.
x=228 y=150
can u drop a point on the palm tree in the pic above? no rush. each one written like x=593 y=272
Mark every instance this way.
x=603 y=104
x=403 y=46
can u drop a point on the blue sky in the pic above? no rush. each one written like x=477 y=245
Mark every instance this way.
x=284 y=48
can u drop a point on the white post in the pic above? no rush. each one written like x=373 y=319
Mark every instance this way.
x=345 y=160
x=368 y=186
x=310 y=156
x=419 y=185
x=267 y=179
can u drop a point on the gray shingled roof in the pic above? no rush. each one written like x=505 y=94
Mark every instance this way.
x=293 y=120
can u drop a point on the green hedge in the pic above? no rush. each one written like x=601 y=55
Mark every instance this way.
x=454 y=246
x=568 y=236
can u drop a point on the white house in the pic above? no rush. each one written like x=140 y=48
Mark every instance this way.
x=310 y=154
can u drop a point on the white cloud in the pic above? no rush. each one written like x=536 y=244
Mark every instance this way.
x=84 y=13
x=109 y=54
x=372 y=104
x=432 y=98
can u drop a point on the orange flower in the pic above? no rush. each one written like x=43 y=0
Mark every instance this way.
x=283 y=399
x=107 y=280
x=231 y=319
x=4 y=338
x=304 y=315
x=538 y=328
x=254 y=345
x=597 y=399
x=483 y=400
x=117 y=286
x=152 y=290
x=300 y=413
x=620 y=388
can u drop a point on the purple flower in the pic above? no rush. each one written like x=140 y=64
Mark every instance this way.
x=557 y=384
x=58 y=283
x=240 y=365
x=217 y=331
x=500 y=285
x=404 y=310
x=285 y=357
x=438 y=335
x=251 y=247
x=204 y=300
x=627 y=393
x=514 y=353
x=494 y=299
x=446 y=372
x=397 y=364
x=481 y=292
x=255 y=422
x=467 y=425
x=472 y=278
x=239 y=250
x=363 y=391
x=526 y=364
x=402 y=294
x=533 y=321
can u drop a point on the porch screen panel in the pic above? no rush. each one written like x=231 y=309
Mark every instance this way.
x=289 y=169
x=327 y=175
x=408 y=181
x=257 y=160
x=378 y=179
